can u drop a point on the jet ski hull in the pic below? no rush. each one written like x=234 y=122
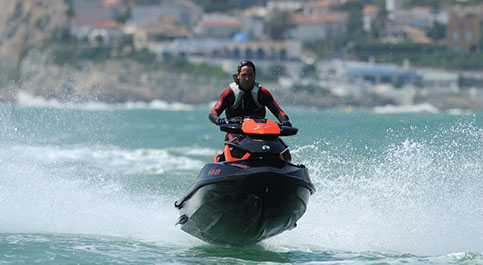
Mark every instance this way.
x=242 y=203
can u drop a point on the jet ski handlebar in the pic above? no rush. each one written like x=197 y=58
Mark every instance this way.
x=235 y=126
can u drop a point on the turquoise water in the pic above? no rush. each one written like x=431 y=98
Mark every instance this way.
x=83 y=184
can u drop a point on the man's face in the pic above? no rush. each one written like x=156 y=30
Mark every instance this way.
x=246 y=77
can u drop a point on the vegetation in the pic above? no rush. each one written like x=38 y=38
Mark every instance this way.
x=354 y=23
x=147 y=2
x=223 y=5
x=419 y=54
x=278 y=26
x=180 y=64
x=437 y=32
x=438 y=4
x=309 y=71
x=70 y=8
x=73 y=56
x=272 y=74
x=311 y=88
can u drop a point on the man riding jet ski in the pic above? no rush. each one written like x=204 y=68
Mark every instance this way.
x=246 y=98
x=255 y=192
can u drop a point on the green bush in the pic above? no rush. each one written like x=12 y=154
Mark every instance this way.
x=313 y=89
x=180 y=64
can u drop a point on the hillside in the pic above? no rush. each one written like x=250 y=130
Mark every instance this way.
x=24 y=23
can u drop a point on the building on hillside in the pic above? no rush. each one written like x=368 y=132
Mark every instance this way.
x=379 y=73
x=95 y=21
x=318 y=27
x=393 y=5
x=89 y=13
x=369 y=15
x=108 y=34
x=143 y=15
x=275 y=7
x=395 y=33
x=420 y=17
x=259 y=50
x=239 y=47
x=184 y=13
x=218 y=26
x=437 y=82
x=157 y=34
x=254 y=21
x=467 y=10
x=463 y=33
x=321 y=7
x=187 y=12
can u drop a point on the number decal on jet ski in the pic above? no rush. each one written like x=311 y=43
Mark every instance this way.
x=214 y=172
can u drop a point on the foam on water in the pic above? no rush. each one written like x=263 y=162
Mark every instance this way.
x=50 y=189
x=26 y=100
x=425 y=107
x=417 y=196
x=112 y=159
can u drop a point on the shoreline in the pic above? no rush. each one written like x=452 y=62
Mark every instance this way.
x=29 y=101
x=121 y=81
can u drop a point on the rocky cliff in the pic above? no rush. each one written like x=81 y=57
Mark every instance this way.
x=28 y=23
x=24 y=23
x=112 y=81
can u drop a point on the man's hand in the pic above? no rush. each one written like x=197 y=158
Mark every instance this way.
x=221 y=120
x=286 y=123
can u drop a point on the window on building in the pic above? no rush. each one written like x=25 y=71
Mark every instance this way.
x=249 y=54
x=456 y=36
x=468 y=37
x=260 y=54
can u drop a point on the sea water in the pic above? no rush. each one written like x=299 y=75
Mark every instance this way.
x=96 y=184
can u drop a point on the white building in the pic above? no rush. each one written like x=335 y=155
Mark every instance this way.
x=393 y=5
x=254 y=21
x=218 y=26
x=318 y=27
x=369 y=15
x=438 y=82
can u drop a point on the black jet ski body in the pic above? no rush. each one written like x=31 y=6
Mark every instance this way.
x=256 y=194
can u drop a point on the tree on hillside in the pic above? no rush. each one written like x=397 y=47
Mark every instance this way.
x=278 y=26
x=354 y=24
x=224 y=6
x=379 y=23
x=437 y=31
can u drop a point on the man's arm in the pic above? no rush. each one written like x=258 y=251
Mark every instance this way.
x=267 y=100
x=222 y=103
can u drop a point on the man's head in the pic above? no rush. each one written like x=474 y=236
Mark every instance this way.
x=246 y=74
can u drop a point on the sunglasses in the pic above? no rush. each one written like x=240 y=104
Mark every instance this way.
x=245 y=63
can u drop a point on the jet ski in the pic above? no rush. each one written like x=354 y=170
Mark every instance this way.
x=251 y=192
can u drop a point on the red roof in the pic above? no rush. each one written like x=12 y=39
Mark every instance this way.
x=253 y=11
x=234 y=24
x=304 y=20
x=335 y=18
x=321 y=4
x=221 y=20
x=370 y=9
x=423 y=9
x=108 y=3
x=109 y=25
x=319 y=19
